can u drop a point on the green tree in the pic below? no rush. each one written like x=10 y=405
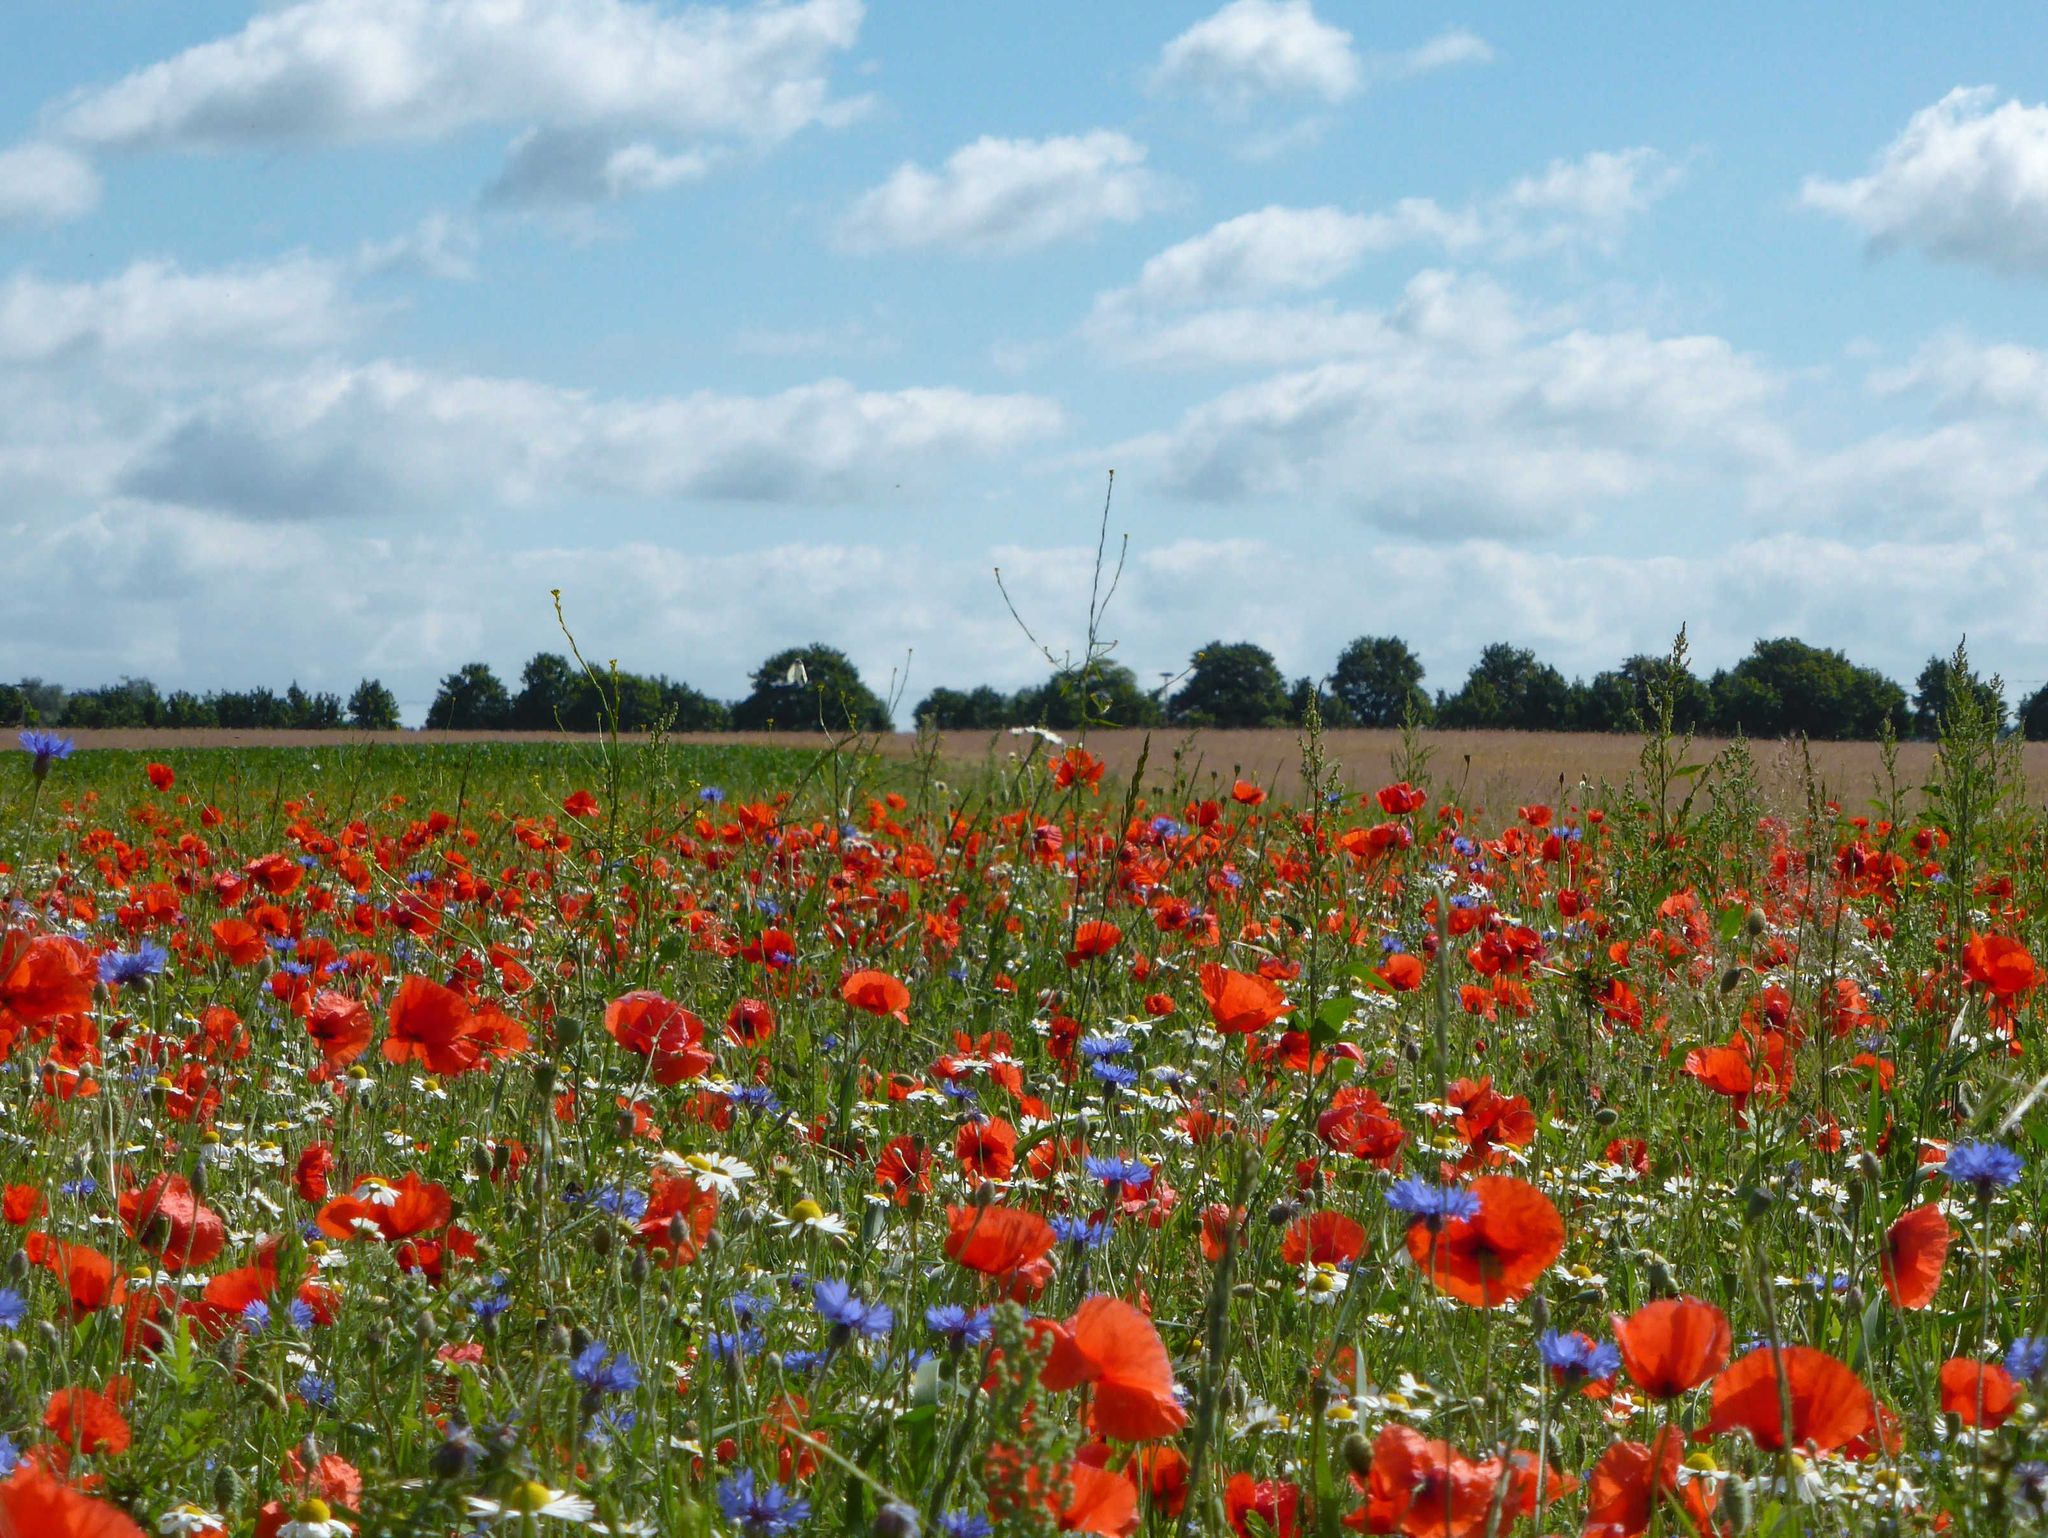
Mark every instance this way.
x=472 y=698
x=15 y=709
x=1101 y=693
x=1785 y=686
x=980 y=709
x=550 y=689
x=1618 y=699
x=1509 y=688
x=372 y=707
x=2033 y=715
x=1232 y=684
x=692 y=710
x=1380 y=681
x=1330 y=707
x=45 y=700
x=810 y=688
x=130 y=703
x=1937 y=688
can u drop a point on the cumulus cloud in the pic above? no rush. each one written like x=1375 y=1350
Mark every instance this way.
x=1966 y=181
x=1571 y=204
x=384 y=439
x=45 y=184
x=1257 y=48
x=439 y=246
x=157 y=309
x=1007 y=195
x=1454 y=412
x=1447 y=50
x=618 y=96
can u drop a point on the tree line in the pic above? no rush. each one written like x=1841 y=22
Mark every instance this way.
x=1783 y=687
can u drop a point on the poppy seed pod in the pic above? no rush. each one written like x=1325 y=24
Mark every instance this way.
x=600 y=1241
x=1357 y=1453
x=1755 y=923
x=1606 y=1116
x=1738 y=1504
x=568 y=1031
x=544 y=1077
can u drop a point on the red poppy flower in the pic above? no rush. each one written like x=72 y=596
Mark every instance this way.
x=1497 y=1256
x=1631 y=1482
x=431 y=1024
x=876 y=993
x=1830 y=1405
x=580 y=803
x=1400 y=972
x=1323 y=1239
x=89 y=1421
x=987 y=1149
x=44 y=978
x=1915 y=1248
x=341 y=1025
x=749 y=1023
x=1397 y=799
x=1275 y=1502
x=1098 y=1502
x=1239 y=1002
x=161 y=776
x=1096 y=937
x=663 y=1032
x=678 y=1218
x=1358 y=1123
x=997 y=1241
x=1426 y=1489
x=401 y=1211
x=1978 y=1393
x=1673 y=1345
x=240 y=941
x=87 y=1275
x=1113 y=1346
x=34 y=1502
x=167 y=1218
x=1999 y=965
x=22 y=1205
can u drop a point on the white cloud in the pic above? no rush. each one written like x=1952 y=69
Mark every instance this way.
x=439 y=246
x=155 y=309
x=1275 y=249
x=1447 y=50
x=385 y=440
x=1258 y=48
x=1966 y=376
x=606 y=87
x=1007 y=195
x=1454 y=412
x=1965 y=182
x=45 y=184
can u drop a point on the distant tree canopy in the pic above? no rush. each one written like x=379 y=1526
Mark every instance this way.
x=1379 y=681
x=1508 y=687
x=1785 y=686
x=808 y=689
x=1232 y=684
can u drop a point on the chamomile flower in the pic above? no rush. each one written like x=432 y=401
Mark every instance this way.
x=533 y=1499
x=186 y=1518
x=314 y=1518
x=812 y=1218
x=712 y=1171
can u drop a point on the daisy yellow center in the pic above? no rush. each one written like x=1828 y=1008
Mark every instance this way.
x=312 y=1509
x=807 y=1211
x=530 y=1497
x=1701 y=1462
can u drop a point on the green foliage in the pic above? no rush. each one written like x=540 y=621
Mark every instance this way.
x=472 y=698
x=372 y=707
x=1620 y=699
x=1508 y=687
x=1232 y=684
x=1378 y=681
x=808 y=689
x=1940 y=691
x=1786 y=687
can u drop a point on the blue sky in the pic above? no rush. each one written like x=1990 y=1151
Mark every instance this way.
x=334 y=335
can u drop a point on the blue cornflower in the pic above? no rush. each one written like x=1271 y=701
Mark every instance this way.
x=804 y=1362
x=44 y=749
x=755 y=1097
x=1577 y=1357
x=750 y=1307
x=1166 y=827
x=1118 y=1172
x=734 y=1346
x=2027 y=1358
x=1115 y=1075
x=612 y=1423
x=848 y=1315
x=1392 y=945
x=10 y=1455
x=301 y=1315
x=1986 y=1166
x=490 y=1307
x=959 y=1327
x=255 y=1316
x=136 y=966
x=1082 y=1233
x=712 y=794
x=953 y=1089
x=13 y=1308
x=965 y=1524
x=754 y=1507
x=1431 y=1204
x=84 y=1185
x=620 y=1201
x=601 y=1373
x=316 y=1391
x=1095 y=1048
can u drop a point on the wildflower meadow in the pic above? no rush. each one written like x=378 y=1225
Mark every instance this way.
x=638 y=1138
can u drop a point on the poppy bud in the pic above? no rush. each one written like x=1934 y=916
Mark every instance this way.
x=1662 y=1283
x=1280 y=1214
x=1731 y=979
x=224 y=1487
x=1756 y=1204
x=1539 y=1313
x=47 y=1332
x=544 y=1078
x=1606 y=1116
x=896 y=1520
x=623 y=1123
x=501 y=1158
x=374 y=1341
x=17 y=1265
x=579 y=1341
x=423 y=1328
x=984 y=1195
x=1738 y=1505
x=457 y=1454
x=1756 y=923
x=1586 y=1296
x=638 y=1268
x=1357 y=1453
x=1854 y=1297
x=568 y=1031
x=1867 y=1167
x=601 y=1241
x=200 y=1180
x=17 y=1352
x=480 y=1162
x=272 y=1399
